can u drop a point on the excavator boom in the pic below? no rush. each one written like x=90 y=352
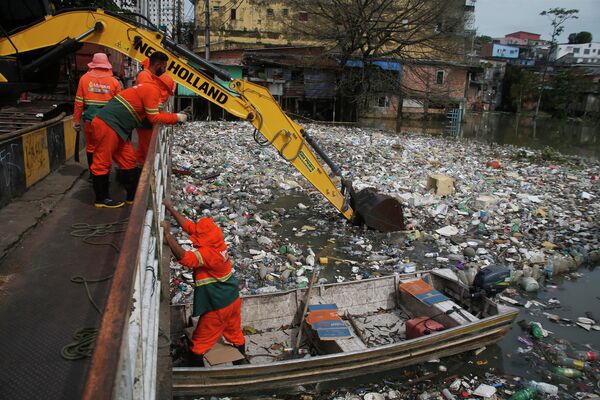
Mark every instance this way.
x=63 y=31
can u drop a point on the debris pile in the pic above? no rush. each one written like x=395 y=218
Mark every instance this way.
x=468 y=205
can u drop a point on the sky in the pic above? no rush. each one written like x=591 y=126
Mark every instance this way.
x=496 y=18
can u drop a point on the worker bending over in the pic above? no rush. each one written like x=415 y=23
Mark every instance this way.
x=113 y=127
x=96 y=87
x=216 y=296
x=167 y=89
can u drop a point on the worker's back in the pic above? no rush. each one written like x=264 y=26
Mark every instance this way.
x=96 y=87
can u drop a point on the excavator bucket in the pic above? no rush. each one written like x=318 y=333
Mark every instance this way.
x=378 y=211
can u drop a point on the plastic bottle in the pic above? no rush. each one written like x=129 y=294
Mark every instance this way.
x=549 y=267
x=586 y=355
x=448 y=395
x=462 y=275
x=529 y=284
x=471 y=272
x=544 y=387
x=524 y=394
x=535 y=274
x=536 y=330
x=481 y=228
x=516 y=226
x=573 y=363
x=568 y=372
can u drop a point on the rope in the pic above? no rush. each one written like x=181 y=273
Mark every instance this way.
x=82 y=345
x=85 y=281
x=84 y=339
x=90 y=231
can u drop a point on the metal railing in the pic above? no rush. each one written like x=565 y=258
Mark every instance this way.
x=125 y=358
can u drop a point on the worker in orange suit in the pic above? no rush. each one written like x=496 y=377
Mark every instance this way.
x=113 y=127
x=216 y=296
x=167 y=89
x=96 y=87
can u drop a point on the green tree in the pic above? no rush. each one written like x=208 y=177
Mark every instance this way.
x=565 y=90
x=482 y=39
x=579 y=38
x=519 y=86
x=558 y=17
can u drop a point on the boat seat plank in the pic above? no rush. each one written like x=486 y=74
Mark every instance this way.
x=347 y=344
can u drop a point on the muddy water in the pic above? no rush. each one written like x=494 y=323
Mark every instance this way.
x=574 y=137
x=334 y=238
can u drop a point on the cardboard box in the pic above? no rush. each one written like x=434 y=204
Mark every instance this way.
x=443 y=184
x=222 y=354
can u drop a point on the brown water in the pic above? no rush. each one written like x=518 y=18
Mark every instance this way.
x=577 y=296
x=573 y=137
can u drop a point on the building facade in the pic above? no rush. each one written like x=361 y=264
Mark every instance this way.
x=167 y=15
x=584 y=53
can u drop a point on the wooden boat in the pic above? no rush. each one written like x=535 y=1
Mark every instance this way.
x=374 y=310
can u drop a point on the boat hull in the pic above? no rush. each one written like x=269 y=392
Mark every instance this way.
x=288 y=374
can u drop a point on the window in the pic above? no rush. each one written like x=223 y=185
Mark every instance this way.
x=383 y=102
x=586 y=51
x=439 y=77
x=303 y=16
x=270 y=12
x=216 y=8
x=286 y=12
x=576 y=50
x=233 y=14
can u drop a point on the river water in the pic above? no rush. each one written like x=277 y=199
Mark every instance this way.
x=578 y=295
x=573 y=137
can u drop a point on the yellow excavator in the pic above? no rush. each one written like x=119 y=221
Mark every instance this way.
x=63 y=32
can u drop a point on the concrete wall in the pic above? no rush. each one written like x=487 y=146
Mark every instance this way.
x=585 y=53
x=254 y=25
x=423 y=93
x=26 y=159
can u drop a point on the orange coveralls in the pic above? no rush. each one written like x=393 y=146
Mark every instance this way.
x=145 y=133
x=96 y=87
x=216 y=296
x=115 y=123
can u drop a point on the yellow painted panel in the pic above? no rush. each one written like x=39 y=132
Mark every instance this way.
x=69 y=137
x=35 y=156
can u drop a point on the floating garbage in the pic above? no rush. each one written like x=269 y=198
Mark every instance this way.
x=537 y=218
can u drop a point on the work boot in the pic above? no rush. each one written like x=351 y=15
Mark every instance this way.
x=130 y=179
x=241 y=349
x=195 y=360
x=103 y=199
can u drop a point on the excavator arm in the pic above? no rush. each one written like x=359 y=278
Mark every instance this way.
x=63 y=31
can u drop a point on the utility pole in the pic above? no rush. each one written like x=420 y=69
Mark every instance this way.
x=206 y=30
x=159 y=6
x=207 y=44
x=174 y=21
